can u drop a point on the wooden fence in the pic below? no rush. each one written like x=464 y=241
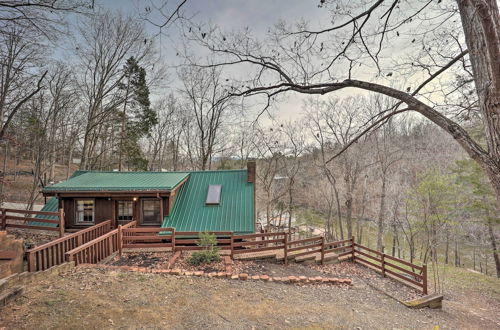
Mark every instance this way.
x=409 y=273
x=248 y=243
x=304 y=247
x=154 y=237
x=53 y=253
x=146 y=237
x=100 y=248
x=186 y=240
x=13 y=218
x=129 y=236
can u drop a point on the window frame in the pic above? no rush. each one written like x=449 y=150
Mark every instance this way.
x=118 y=209
x=219 y=193
x=142 y=211
x=77 y=221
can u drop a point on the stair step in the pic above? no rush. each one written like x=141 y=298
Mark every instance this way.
x=255 y=255
x=305 y=258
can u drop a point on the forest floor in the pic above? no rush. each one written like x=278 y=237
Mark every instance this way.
x=98 y=298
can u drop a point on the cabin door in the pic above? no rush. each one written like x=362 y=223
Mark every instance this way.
x=151 y=211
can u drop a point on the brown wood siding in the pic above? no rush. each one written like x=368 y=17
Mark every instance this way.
x=103 y=210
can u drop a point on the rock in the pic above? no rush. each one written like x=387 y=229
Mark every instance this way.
x=264 y=278
x=243 y=276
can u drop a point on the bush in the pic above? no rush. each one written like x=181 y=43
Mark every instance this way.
x=210 y=252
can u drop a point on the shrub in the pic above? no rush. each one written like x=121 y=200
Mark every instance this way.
x=209 y=253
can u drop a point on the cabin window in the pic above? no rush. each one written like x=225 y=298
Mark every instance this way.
x=151 y=211
x=213 y=194
x=125 y=210
x=85 y=211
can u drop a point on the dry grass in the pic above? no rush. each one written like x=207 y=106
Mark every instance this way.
x=104 y=299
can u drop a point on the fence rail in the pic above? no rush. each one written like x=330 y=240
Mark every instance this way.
x=129 y=236
x=99 y=248
x=187 y=240
x=258 y=242
x=52 y=253
x=21 y=219
x=409 y=273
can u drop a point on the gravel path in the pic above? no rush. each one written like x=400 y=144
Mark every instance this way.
x=104 y=299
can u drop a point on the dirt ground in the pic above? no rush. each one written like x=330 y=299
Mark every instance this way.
x=109 y=299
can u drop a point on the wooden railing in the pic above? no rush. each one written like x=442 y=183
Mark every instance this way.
x=187 y=240
x=52 y=253
x=258 y=242
x=129 y=236
x=341 y=248
x=21 y=219
x=303 y=247
x=409 y=273
x=147 y=237
x=99 y=248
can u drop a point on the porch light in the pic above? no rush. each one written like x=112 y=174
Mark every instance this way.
x=134 y=199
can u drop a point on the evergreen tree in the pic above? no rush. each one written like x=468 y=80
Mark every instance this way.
x=137 y=116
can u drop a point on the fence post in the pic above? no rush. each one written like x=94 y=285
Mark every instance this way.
x=383 y=264
x=285 y=249
x=4 y=219
x=424 y=279
x=322 y=250
x=232 y=244
x=120 y=240
x=31 y=262
x=352 y=246
x=61 y=222
x=110 y=245
x=173 y=240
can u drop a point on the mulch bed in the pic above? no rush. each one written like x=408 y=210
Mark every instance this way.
x=156 y=260
x=183 y=263
x=159 y=260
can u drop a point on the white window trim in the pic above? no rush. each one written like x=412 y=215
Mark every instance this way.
x=76 y=212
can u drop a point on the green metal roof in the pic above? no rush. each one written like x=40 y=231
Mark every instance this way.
x=234 y=213
x=51 y=206
x=119 y=181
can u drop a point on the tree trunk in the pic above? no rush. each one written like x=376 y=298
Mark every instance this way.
x=381 y=215
x=481 y=24
x=494 y=246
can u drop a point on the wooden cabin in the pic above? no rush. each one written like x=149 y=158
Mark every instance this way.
x=189 y=201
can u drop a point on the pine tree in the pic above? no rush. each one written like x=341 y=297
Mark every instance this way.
x=137 y=116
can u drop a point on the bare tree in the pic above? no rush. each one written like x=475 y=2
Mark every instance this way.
x=203 y=92
x=303 y=60
x=107 y=41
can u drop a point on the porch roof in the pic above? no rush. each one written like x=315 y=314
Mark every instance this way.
x=89 y=181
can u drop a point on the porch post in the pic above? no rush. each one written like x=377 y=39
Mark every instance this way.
x=61 y=222
x=120 y=240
